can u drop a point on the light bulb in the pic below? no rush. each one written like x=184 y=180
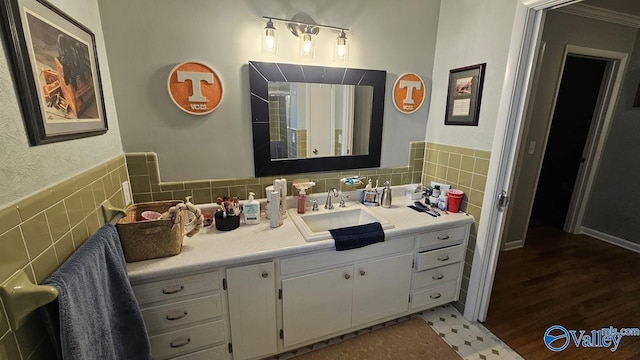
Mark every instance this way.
x=306 y=44
x=342 y=49
x=269 y=41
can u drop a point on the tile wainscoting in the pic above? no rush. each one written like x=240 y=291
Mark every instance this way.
x=146 y=185
x=465 y=169
x=39 y=233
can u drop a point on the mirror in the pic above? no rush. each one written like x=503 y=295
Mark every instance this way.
x=312 y=118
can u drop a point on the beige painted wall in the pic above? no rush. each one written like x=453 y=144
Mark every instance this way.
x=469 y=33
x=560 y=29
x=24 y=169
x=144 y=44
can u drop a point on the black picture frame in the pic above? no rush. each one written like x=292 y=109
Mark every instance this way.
x=464 y=95
x=636 y=101
x=55 y=68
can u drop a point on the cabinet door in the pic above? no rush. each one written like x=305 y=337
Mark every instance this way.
x=252 y=310
x=317 y=304
x=381 y=288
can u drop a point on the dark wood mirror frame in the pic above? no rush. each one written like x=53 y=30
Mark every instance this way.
x=260 y=73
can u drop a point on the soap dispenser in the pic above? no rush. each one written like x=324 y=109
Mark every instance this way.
x=251 y=210
x=302 y=201
x=385 y=200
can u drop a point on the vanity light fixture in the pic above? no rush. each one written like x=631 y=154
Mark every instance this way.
x=307 y=48
x=306 y=29
x=269 y=39
x=341 y=52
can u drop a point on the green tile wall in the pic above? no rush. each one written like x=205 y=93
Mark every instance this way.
x=39 y=233
x=146 y=184
x=465 y=169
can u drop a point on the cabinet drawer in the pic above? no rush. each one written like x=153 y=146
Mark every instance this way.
x=216 y=353
x=182 y=313
x=174 y=288
x=187 y=340
x=445 y=237
x=435 y=296
x=434 y=258
x=436 y=276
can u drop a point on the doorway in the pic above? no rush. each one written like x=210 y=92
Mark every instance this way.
x=574 y=116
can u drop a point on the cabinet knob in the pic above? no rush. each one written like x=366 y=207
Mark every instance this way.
x=443 y=258
x=179 y=342
x=362 y=272
x=443 y=237
x=437 y=277
x=435 y=296
x=265 y=274
x=347 y=276
x=177 y=317
x=173 y=291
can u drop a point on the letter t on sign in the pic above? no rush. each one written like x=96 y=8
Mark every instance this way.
x=196 y=78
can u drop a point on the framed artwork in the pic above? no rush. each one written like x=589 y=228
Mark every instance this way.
x=464 y=95
x=55 y=68
x=636 y=101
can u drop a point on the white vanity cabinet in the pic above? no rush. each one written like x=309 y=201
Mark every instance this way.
x=185 y=316
x=252 y=310
x=438 y=267
x=331 y=292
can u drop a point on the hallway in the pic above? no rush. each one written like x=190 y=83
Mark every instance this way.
x=570 y=280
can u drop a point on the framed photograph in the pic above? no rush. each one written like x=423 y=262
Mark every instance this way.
x=55 y=68
x=464 y=95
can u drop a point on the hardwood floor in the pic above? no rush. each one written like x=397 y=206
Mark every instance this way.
x=570 y=280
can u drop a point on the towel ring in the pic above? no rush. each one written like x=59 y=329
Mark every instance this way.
x=21 y=297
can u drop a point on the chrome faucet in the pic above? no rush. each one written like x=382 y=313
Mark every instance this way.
x=328 y=204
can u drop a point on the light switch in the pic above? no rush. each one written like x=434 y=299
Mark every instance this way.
x=126 y=192
x=532 y=147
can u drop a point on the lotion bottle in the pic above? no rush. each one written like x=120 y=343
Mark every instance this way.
x=251 y=210
x=302 y=201
x=274 y=209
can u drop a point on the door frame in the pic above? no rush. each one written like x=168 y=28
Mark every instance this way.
x=524 y=44
x=598 y=131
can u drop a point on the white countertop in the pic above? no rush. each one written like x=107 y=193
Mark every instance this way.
x=213 y=248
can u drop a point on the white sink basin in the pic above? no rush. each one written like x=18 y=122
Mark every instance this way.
x=315 y=225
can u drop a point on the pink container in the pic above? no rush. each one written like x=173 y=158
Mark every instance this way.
x=455 y=199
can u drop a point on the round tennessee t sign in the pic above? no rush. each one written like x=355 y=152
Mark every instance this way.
x=408 y=93
x=195 y=88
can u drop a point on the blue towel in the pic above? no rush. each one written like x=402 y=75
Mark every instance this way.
x=353 y=237
x=96 y=312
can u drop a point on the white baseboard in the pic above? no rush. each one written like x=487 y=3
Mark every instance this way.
x=512 y=245
x=611 y=239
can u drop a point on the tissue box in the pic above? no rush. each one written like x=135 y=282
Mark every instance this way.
x=411 y=195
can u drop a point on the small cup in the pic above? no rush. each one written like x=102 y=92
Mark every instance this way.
x=150 y=215
x=228 y=223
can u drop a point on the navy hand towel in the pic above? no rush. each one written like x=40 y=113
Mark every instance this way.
x=357 y=236
x=96 y=315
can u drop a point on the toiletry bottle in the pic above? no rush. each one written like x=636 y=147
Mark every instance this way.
x=283 y=197
x=436 y=191
x=274 y=209
x=385 y=199
x=442 y=202
x=251 y=210
x=302 y=201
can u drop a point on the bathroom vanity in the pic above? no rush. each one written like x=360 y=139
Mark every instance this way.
x=255 y=291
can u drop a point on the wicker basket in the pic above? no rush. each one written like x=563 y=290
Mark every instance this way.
x=149 y=239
